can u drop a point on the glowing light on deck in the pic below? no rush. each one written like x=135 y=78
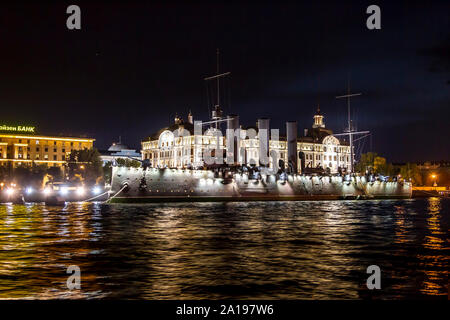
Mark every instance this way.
x=80 y=191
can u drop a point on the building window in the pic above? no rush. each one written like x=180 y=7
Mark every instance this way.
x=37 y=149
x=54 y=157
x=54 y=150
x=54 y=143
x=46 y=149
x=63 y=150
x=46 y=157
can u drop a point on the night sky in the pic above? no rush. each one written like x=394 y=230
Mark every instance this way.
x=133 y=66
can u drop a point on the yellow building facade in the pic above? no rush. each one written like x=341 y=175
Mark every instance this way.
x=19 y=148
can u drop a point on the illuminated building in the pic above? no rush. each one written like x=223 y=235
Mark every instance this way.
x=21 y=146
x=118 y=150
x=179 y=146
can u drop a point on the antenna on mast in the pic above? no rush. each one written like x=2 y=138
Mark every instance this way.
x=216 y=114
x=218 y=83
x=350 y=131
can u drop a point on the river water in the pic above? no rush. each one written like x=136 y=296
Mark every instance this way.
x=255 y=250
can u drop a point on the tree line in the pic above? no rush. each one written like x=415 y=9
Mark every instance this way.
x=85 y=166
x=372 y=163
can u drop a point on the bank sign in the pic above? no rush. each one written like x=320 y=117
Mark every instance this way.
x=17 y=129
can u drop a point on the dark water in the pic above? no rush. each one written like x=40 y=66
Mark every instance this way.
x=264 y=250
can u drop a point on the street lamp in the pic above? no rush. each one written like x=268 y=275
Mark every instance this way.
x=434 y=176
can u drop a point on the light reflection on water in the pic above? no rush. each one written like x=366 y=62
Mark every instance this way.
x=255 y=250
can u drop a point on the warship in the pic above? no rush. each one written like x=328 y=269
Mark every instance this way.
x=237 y=179
x=136 y=185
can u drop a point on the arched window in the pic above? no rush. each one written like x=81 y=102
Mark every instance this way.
x=165 y=139
x=330 y=140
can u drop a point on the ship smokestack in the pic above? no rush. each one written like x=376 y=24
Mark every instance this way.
x=233 y=135
x=302 y=157
x=291 y=139
x=263 y=136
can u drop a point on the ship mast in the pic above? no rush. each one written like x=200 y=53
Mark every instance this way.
x=350 y=131
x=216 y=114
x=218 y=82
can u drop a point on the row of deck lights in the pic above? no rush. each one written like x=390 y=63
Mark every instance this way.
x=346 y=178
x=47 y=191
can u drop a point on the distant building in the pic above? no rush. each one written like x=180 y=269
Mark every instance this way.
x=118 y=150
x=22 y=146
x=178 y=146
x=432 y=165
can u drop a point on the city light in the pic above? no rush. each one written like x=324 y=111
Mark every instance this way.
x=47 y=191
x=80 y=191
x=29 y=190
x=96 y=190
x=9 y=191
x=64 y=191
x=434 y=177
x=47 y=138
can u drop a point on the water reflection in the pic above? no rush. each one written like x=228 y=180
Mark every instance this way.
x=437 y=256
x=37 y=245
x=264 y=250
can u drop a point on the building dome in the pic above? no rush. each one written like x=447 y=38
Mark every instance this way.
x=318 y=119
x=117 y=146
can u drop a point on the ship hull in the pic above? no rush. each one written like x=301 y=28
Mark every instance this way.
x=133 y=185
